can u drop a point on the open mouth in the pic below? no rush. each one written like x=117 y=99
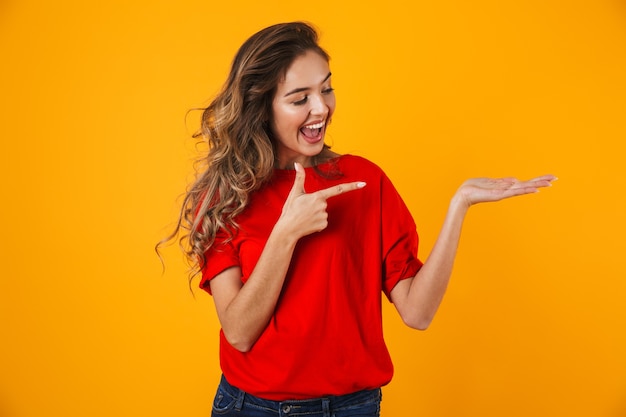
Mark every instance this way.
x=313 y=132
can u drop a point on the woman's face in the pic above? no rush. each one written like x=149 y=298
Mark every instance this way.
x=302 y=108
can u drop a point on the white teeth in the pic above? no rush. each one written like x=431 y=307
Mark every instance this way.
x=315 y=126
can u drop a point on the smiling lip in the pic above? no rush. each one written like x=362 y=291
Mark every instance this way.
x=314 y=132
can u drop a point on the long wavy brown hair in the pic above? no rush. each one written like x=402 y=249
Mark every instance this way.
x=241 y=149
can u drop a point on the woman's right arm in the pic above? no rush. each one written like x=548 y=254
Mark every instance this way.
x=245 y=310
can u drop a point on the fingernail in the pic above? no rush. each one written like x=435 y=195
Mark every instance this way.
x=295 y=165
x=361 y=184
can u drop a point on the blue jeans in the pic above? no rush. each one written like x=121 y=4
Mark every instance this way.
x=231 y=401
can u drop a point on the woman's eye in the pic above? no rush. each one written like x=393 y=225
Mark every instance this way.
x=328 y=90
x=301 y=102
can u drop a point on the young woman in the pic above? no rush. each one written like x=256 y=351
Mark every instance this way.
x=296 y=243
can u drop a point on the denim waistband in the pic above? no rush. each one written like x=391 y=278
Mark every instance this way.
x=326 y=404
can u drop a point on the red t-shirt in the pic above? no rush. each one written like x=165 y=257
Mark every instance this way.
x=325 y=337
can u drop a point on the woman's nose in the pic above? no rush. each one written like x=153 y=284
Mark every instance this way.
x=318 y=105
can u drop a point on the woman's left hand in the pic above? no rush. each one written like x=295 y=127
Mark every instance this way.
x=417 y=299
x=479 y=190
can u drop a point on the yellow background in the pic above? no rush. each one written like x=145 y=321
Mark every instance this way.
x=96 y=149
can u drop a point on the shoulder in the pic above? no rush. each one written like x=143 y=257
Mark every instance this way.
x=358 y=168
x=351 y=162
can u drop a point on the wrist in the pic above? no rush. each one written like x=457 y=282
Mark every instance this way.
x=282 y=234
x=459 y=203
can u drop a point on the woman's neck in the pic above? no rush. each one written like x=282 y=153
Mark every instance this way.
x=307 y=162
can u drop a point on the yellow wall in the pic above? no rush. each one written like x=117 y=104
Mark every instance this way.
x=95 y=152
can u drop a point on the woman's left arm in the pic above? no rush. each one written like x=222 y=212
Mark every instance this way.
x=417 y=299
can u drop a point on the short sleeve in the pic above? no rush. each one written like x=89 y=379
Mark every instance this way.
x=400 y=240
x=219 y=257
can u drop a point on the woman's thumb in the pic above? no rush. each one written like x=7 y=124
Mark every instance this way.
x=298 y=183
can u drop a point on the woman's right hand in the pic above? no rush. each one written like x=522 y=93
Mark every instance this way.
x=304 y=213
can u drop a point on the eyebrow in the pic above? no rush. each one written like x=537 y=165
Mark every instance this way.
x=298 y=90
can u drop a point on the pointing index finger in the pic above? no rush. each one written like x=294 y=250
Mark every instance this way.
x=340 y=189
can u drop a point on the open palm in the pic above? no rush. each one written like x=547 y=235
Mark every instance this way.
x=479 y=190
